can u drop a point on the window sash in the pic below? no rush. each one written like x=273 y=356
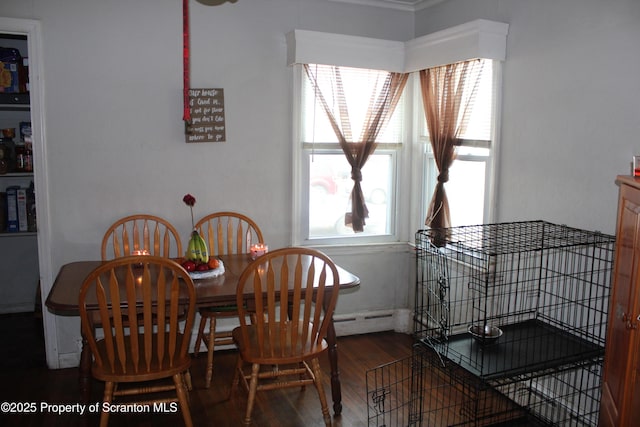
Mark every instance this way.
x=358 y=85
x=307 y=156
x=469 y=149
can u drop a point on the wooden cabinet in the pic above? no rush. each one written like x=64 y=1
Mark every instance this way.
x=620 y=402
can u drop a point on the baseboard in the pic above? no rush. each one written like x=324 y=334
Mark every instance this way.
x=68 y=360
x=366 y=322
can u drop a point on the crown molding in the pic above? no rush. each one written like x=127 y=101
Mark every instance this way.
x=405 y=5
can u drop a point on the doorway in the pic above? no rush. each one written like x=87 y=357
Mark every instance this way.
x=30 y=31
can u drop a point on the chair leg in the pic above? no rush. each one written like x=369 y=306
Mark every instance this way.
x=211 y=349
x=253 y=387
x=236 y=376
x=183 y=399
x=317 y=380
x=187 y=380
x=108 y=397
x=196 y=347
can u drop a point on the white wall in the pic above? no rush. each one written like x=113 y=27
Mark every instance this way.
x=571 y=109
x=114 y=132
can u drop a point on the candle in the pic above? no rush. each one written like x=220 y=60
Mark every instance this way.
x=141 y=252
x=258 y=249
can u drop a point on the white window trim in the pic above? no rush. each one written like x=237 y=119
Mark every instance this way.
x=297 y=204
x=490 y=208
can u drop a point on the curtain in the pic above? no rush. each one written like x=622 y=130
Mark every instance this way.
x=382 y=103
x=447 y=96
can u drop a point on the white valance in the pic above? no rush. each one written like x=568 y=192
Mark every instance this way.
x=313 y=47
x=476 y=39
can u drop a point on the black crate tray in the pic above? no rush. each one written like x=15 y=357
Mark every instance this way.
x=523 y=348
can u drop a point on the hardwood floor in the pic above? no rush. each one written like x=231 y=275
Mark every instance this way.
x=26 y=380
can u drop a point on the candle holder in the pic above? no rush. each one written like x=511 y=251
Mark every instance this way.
x=636 y=166
x=258 y=249
x=138 y=253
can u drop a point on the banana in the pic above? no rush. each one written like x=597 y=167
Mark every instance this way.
x=197 y=248
x=189 y=255
x=193 y=250
x=204 y=253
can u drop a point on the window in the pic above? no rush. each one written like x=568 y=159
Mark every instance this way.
x=325 y=180
x=399 y=178
x=470 y=176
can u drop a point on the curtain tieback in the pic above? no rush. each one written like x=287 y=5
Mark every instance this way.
x=356 y=174
x=443 y=176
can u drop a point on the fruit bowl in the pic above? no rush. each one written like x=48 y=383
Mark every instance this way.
x=485 y=334
x=207 y=274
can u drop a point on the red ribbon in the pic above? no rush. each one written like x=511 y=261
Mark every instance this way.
x=185 y=60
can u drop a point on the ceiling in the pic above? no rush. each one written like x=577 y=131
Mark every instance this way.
x=409 y=5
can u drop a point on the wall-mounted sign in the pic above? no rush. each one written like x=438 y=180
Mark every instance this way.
x=207 y=116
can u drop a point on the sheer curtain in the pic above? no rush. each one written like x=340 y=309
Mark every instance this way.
x=383 y=98
x=447 y=96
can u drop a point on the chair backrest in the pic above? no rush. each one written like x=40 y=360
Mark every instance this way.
x=141 y=302
x=141 y=232
x=290 y=289
x=229 y=233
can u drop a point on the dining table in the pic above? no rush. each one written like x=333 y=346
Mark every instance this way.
x=63 y=299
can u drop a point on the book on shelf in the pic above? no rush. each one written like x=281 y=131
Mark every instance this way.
x=16 y=204
x=21 y=201
x=12 y=209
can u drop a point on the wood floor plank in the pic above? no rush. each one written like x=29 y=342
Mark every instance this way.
x=213 y=407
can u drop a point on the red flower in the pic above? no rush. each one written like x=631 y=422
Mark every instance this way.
x=189 y=200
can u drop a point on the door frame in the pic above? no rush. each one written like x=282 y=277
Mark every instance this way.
x=32 y=29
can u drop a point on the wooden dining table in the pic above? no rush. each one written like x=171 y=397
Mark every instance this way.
x=63 y=300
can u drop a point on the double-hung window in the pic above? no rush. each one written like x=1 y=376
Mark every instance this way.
x=469 y=188
x=325 y=181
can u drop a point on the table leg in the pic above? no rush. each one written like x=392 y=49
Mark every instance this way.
x=336 y=391
x=84 y=371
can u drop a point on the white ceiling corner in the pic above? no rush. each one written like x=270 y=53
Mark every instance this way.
x=407 y=5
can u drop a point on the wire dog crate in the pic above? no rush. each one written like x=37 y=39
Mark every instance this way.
x=509 y=312
x=425 y=390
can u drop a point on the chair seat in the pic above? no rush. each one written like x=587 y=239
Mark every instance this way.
x=276 y=350
x=142 y=370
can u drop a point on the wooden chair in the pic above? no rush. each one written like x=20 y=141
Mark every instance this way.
x=225 y=233
x=141 y=232
x=288 y=294
x=139 y=300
